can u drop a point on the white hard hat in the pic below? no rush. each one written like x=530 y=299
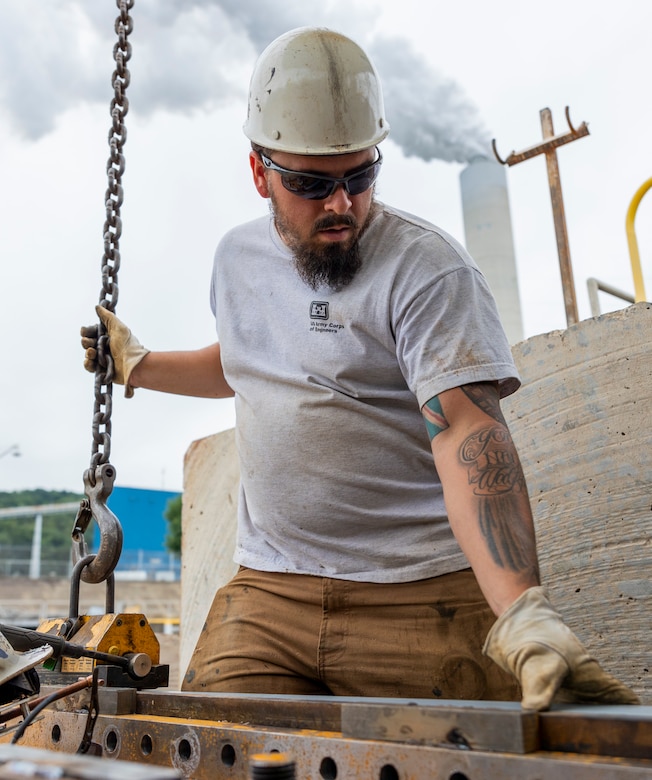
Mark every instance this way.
x=315 y=91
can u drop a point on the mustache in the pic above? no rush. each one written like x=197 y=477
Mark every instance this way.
x=334 y=221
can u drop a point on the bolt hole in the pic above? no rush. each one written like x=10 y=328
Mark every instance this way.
x=111 y=741
x=146 y=745
x=56 y=733
x=184 y=750
x=228 y=755
x=328 y=769
x=388 y=772
x=458 y=776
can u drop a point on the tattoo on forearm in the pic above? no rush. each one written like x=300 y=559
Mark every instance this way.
x=491 y=460
x=509 y=545
x=495 y=472
x=434 y=417
x=483 y=394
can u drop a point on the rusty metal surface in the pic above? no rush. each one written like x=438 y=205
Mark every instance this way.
x=607 y=731
x=21 y=762
x=214 y=736
x=619 y=731
x=212 y=749
x=500 y=728
x=550 y=143
x=299 y=712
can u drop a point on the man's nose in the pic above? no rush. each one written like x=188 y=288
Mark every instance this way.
x=339 y=202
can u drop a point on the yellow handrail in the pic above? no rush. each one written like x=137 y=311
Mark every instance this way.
x=634 y=256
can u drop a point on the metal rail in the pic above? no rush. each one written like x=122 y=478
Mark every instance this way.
x=595 y=285
x=214 y=736
x=42 y=509
x=24 y=763
x=632 y=243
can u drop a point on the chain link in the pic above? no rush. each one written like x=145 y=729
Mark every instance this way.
x=101 y=451
x=99 y=478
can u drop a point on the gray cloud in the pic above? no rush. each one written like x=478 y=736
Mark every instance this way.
x=44 y=66
x=197 y=55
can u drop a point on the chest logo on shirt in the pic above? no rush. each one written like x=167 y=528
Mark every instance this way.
x=319 y=310
x=320 y=318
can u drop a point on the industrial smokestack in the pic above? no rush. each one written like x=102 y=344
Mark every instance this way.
x=488 y=234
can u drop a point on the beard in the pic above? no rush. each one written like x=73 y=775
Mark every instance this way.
x=332 y=264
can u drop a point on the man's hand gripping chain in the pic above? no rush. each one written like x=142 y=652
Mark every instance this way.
x=126 y=350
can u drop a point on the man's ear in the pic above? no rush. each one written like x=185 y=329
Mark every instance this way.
x=260 y=174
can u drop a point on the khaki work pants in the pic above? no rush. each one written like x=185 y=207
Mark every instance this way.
x=300 y=635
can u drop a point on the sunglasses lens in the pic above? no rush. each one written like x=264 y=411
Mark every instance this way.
x=364 y=180
x=310 y=187
x=306 y=186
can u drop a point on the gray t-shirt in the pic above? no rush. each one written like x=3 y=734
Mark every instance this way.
x=337 y=475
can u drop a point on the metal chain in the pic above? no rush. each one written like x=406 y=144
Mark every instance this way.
x=112 y=231
x=99 y=478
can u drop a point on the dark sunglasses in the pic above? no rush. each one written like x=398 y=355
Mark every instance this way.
x=312 y=186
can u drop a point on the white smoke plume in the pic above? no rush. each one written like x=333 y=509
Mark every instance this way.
x=429 y=115
x=197 y=55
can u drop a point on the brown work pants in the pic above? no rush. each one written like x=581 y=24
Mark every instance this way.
x=300 y=635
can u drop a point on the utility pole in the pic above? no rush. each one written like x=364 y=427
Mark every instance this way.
x=549 y=147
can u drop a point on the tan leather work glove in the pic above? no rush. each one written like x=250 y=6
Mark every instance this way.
x=531 y=641
x=126 y=350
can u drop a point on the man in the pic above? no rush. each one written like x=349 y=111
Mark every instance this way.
x=361 y=344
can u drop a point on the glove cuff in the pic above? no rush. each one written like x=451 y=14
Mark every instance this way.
x=132 y=354
x=532 y=601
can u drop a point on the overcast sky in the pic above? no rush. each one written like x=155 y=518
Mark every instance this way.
x=456 y=75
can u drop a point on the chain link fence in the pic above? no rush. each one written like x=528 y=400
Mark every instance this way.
x=136 y=565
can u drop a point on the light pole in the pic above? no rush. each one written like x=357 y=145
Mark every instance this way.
x=13 y=450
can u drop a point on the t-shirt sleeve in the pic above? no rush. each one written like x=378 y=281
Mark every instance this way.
x=449 y=334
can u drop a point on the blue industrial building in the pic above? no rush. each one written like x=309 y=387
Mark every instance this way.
x=141 y=515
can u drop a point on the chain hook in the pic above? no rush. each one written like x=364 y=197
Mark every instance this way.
x=98 y=485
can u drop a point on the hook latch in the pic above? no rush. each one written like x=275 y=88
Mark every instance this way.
x=98 y=484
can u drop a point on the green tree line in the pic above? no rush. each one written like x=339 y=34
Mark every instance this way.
x=18 y=531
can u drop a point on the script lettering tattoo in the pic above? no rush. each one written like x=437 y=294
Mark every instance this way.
x=494 y=471
x=492 y=463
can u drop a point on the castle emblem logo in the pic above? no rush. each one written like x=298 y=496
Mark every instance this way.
x=319 y=310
